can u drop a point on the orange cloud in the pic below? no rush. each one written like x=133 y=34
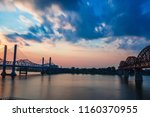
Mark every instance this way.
x=66 y=54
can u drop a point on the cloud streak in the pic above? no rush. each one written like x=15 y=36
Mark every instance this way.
x=81 y=19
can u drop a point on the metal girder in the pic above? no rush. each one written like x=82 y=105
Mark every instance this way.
x=144 y=57
x=141 y=61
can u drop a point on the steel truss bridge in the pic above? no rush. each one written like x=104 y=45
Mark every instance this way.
x=136 y=63
x=25 y=63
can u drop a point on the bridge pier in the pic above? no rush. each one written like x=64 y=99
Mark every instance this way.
x=23 y=71
x=120 y=72
x=3 y=74
x=13 y=73
x=50 y=62
x=138 y=75
x=42 y=71
x=126 y=74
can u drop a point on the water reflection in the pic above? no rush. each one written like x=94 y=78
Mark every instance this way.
x=135 y=86
x=139 y=89
x=23 y=77
x=2 y=88
x=7 y=91
x=123 y=80
x=69 y=86
x=12 y=89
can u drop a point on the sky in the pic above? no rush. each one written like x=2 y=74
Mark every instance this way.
x=79 y=33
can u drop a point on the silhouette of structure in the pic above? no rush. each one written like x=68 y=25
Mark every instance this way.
x=23 y=65
x=92 y=71
x=134 y=65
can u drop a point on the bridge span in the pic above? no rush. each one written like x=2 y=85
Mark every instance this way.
x=23 y=65
x=135 y=64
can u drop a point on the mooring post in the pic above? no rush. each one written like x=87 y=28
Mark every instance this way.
x=4 y=62
x=42 y=72
x=13 y=73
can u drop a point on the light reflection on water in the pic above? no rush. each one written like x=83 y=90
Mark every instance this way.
x=68 y=86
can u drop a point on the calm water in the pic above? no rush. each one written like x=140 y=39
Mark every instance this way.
x=67 y=86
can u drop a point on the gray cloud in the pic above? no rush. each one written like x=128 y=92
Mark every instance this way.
x=126 y=18
x=117 y=19
x=36 y=33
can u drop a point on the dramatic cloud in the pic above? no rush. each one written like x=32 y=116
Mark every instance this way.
x=128 y=42
x=64 y=4
x=127 y=18
x=37 y=33
x=71 y=19
x=74 y=20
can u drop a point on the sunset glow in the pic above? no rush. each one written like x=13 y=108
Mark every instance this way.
x=79 y=33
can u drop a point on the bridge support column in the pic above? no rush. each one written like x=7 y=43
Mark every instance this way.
x=126 y=75
x=4 y=62
x=50 y=66
x=50 y=62
x=23 y=71
x=13 y=73
x=42 y=70
x=138 y=75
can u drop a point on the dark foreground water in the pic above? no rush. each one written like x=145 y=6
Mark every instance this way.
x=70 y=87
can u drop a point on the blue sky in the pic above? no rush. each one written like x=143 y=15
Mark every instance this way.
x=14 y=20
x=120 y=24
x=94 y=18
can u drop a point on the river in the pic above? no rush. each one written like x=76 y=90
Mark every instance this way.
x=74 y=87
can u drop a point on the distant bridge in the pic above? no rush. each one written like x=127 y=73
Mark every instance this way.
x=136 y=64
x=23 y=64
